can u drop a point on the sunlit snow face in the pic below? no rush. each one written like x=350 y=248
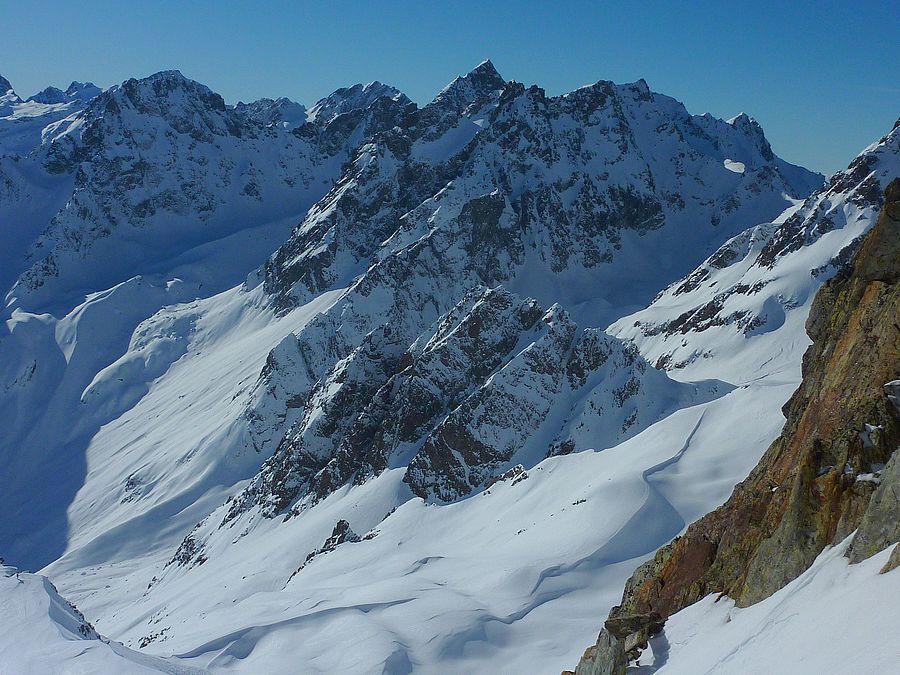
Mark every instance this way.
x=731 y=165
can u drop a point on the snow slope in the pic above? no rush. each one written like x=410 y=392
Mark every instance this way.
x=110 y=209
x=60 y=640
x=466 y=587
x=834 y=618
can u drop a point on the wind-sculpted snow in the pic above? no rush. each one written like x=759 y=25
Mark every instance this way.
x=747 y=302
x=464 y=587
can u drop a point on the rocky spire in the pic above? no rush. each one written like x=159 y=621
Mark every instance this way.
x=751 y=128
x=479 y=83
x=486 y=75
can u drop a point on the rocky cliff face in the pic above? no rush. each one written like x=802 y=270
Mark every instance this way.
x=833 y=470
x=566 y=183
x=558 y=199
x=497 y=381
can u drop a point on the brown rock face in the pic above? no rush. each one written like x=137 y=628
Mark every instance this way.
x=815 y=484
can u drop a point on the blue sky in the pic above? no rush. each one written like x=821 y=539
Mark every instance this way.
x=823 y=78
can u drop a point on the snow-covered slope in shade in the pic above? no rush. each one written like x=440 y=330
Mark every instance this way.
x=42 y=633
x=853 y=605
x=29 y=196
x=128 y=416
x=146 y=196
x=746 y=305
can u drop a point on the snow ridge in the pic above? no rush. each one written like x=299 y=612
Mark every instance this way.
x=756 y=288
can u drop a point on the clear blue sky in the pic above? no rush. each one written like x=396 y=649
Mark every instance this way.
x=823 y=78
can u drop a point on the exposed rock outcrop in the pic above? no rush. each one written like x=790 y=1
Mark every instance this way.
x=833 y=469
x=495 y=382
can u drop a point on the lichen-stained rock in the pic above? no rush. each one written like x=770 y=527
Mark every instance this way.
x=606 y=657
x=842 y=429
x=880 y=524
x=893 y=561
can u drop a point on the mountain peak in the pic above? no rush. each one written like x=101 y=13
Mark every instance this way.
x=345 y=99
x=483 y=77
x=751 y=128
x=281 y=110
x=77 y=91
x=476 y=87
x=83 y=91
x=5 y=86
x=50 y=95
x=486 y=69
x=174 y=74
x=165 y=90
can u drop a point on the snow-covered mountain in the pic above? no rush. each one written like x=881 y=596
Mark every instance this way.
x=283 y=379
x=281 y=111
x=526 y=207
x=161 y=167
x=154 y=194
x=747 y=302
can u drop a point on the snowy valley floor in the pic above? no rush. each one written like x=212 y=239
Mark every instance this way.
x=512 y=580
